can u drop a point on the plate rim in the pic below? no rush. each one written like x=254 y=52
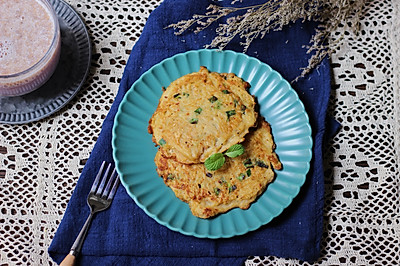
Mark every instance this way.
x=208 y=235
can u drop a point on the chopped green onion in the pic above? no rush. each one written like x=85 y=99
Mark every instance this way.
x=198 y=110
x=230 y=113
x=162 y=142
x=243 y=109
x=213 y=99
x=186 y=94
x=248 y=164
x=235 y=102
x=225 y=91
x=232 y=188
x=193 y=121
x=177 y=96
x=216 y=191
x=218 y=105
x=248 y=172
x=261 y=164
x=222 y=181
x=241 y=177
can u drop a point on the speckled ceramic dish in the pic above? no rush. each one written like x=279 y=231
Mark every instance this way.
x=134 y=150
x=68 y=78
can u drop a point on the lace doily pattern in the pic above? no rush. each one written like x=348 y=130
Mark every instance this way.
x=362 y=197
x=40 y=162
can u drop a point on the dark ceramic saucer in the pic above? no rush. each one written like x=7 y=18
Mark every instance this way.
x=67 y=79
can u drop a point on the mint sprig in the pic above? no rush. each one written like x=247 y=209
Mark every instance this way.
x=235 y=151
x=214 y=162
x=217 y=160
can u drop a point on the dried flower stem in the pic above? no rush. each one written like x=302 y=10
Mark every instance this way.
x=256 y=21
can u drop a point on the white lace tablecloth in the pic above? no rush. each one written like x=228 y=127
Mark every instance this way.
x=40 y=162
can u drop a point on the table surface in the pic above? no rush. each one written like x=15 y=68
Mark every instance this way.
x=40 y=162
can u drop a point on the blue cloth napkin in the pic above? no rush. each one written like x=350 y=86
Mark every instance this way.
x=125 y=235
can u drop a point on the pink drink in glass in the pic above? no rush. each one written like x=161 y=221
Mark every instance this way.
x=29 y=45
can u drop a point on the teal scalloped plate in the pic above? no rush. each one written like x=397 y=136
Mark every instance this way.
x=134 y=151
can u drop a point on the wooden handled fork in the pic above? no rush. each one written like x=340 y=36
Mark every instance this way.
x=100 y=197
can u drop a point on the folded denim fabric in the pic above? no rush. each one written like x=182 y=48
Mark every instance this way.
x=125 y=235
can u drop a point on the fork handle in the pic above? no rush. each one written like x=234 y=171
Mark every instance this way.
x=77 y=246
x=69 y=260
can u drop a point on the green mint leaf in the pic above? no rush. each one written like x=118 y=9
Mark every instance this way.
x=214 y=162
x=235 y=150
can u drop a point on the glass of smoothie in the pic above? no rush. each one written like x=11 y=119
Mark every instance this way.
x=29 y=45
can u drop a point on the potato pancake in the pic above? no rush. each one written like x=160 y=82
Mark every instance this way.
x=202 y=113
x=236 y=184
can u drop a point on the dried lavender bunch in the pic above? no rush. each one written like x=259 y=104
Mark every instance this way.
x=256 y=21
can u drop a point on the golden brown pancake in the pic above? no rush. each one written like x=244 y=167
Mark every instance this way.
x=202 y=113
x=237 y=184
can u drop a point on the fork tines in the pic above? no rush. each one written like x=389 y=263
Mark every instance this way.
x=102 y=178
